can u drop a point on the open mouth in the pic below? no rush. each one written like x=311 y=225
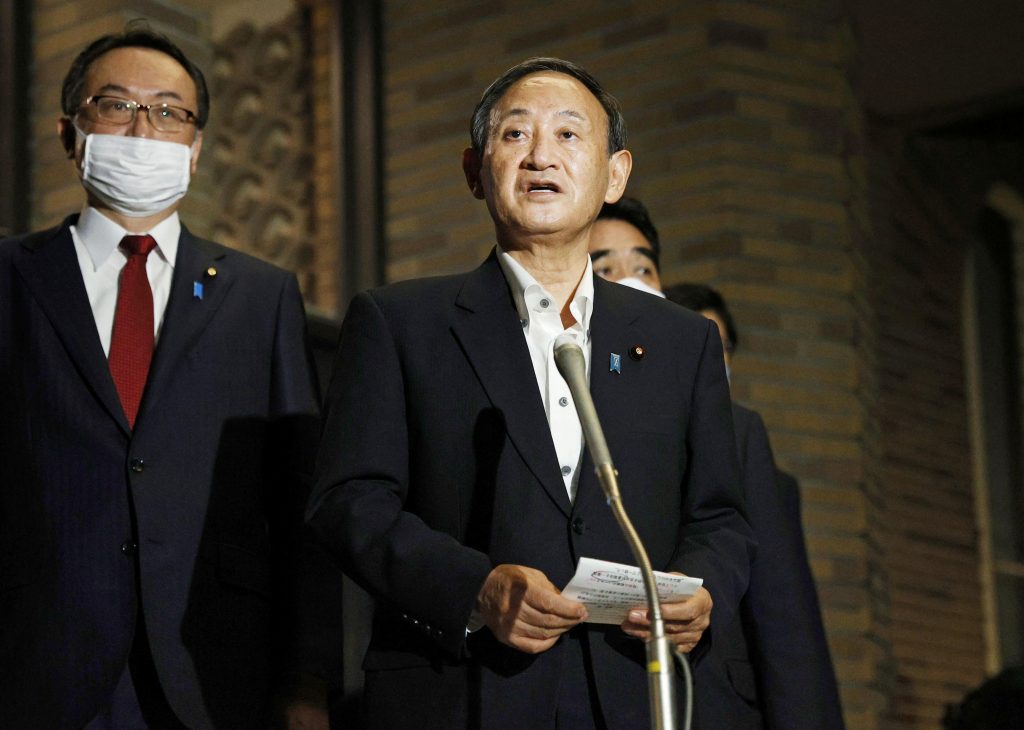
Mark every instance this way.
x=542 y=186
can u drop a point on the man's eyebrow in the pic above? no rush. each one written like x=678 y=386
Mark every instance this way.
x=111 y=87
x=512 y=113
x=518 y=112
x=643 y=250
x=121 y=90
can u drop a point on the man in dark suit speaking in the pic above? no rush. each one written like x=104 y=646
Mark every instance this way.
x=452 y=479
x=155 y=394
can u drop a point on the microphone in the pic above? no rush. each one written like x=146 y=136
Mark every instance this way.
x=573 y=367
x=660 y=676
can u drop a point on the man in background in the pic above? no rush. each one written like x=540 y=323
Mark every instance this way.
x=770 y=668
x=158 y=414
x=624 y=246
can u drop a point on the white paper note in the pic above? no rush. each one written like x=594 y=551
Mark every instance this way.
x=610 y=590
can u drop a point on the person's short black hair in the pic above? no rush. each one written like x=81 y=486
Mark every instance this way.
x=700 y=297
x=481 y=120
x=135 y=35
x=632 y=211
x=997 y=703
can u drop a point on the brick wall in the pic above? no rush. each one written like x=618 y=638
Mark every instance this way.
x=866 y=647
x=929 y=535
x=322 y=295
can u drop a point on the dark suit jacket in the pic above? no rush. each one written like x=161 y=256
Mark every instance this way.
x=770 y=668
x=437 y=464
x=194 y=512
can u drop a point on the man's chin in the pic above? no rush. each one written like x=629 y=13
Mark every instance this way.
x=541 y=222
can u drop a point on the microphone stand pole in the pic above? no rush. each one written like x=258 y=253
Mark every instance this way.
x=660 y=668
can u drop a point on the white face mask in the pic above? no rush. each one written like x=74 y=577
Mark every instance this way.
x=135 y=176
x=633 y=282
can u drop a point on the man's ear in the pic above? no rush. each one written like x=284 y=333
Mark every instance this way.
x=619 y=166
x=471 y=169
x=197 y=147
x=66 y=132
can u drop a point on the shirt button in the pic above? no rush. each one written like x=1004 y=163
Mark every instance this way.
x=563 y=401
x=566 y=470
x=544 y=303
x=578 y=525
x=129 y=547
x=137 y=465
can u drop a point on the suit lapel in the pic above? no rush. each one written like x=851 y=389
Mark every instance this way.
x=618 y=396
x=50 y=268
x=487 y=326
x=188 y=313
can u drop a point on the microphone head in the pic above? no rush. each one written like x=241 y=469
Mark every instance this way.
x=565 y=340
x=569 y=360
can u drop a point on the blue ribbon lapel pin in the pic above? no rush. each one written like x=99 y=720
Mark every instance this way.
x=615 y=364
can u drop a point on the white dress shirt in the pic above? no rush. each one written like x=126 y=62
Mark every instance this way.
x=542 y=324
x=96 y=240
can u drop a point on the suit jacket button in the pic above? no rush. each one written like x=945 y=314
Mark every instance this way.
x=137 y=465
x=129 y=547
x=578 y=525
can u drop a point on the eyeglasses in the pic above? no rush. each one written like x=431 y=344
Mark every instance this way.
x=163 y=117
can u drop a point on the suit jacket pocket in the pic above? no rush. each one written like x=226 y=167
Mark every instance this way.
x=242 y=568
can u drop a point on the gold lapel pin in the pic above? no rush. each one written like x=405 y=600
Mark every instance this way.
x=211 y=272
x=637 y=352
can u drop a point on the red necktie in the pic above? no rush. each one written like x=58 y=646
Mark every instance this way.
x=131 y=345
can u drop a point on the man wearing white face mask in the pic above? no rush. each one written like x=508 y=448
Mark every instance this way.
x=624 y=246
x=158 y=412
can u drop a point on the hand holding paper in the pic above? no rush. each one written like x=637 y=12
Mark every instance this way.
x=524 y=610
x=685 y=621
x=610 y=590
x=614 y=594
